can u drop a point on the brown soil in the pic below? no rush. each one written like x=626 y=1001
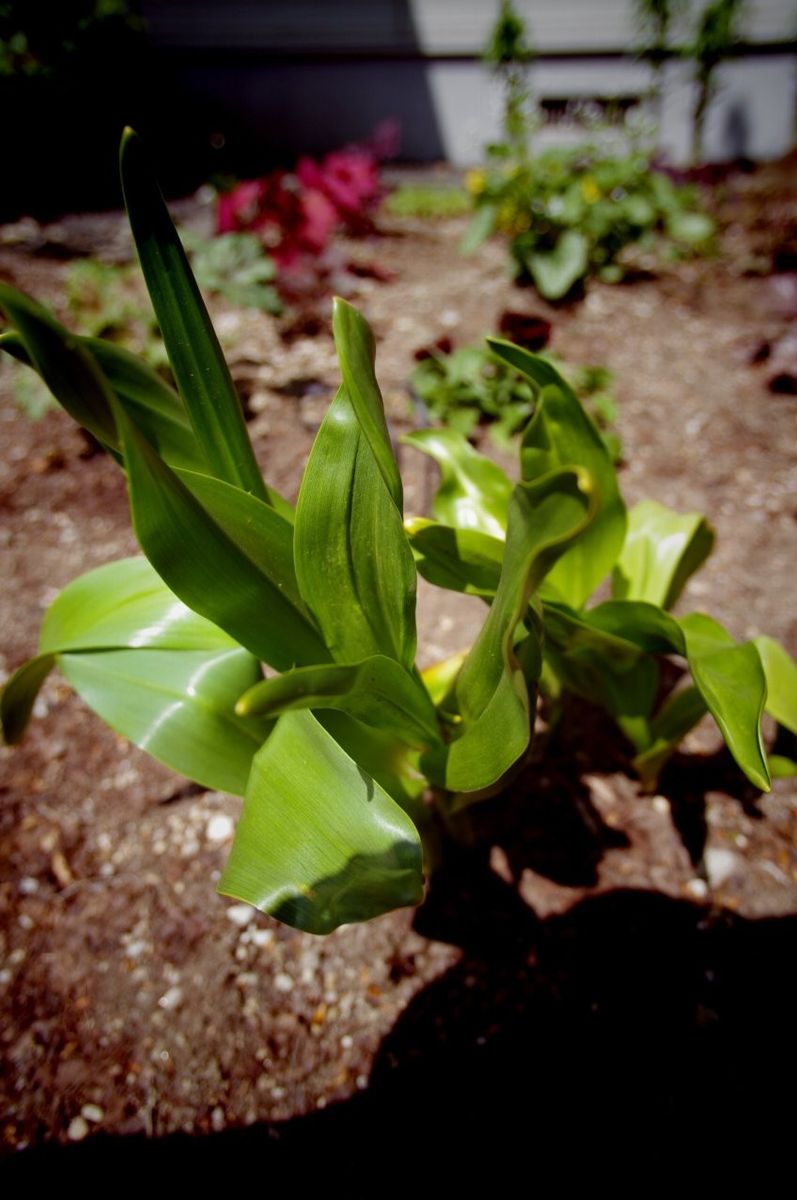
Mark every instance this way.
x=595 y=953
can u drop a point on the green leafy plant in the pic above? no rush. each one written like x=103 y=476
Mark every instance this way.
x=508 y=53
x=235 y=266
x=472 y=385
x=334 y=748
x=571 y=212
x=718 y=31
x=428 y=201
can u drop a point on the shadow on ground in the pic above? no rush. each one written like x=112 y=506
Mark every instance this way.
x=633 y=1023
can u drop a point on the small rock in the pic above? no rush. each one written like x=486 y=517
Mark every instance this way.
x=93 y=1113
x=283 y=982
x=217 y=1119
x=171 y=999
x=219 y=828
x=661 y=805
x=28 y=885
x=696 y=889
x=240 y=914
x=262 y=937
x=720 y=865
x=78 y=1128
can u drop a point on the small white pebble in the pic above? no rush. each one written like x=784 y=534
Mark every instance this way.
x=78 y=1128
x=742 y=841
x=189 y=848
x=240 y=914
x=720 y=865
x=321 y=1102
x=25 y=921
x=697 y=889
x=278 y=1092
x=93 y=1113
x=171 y=999
x=217 y=1119
x=135 y=949
x=283 y=982
x=5 y=977
x=362 y=1082
x=661 y=805
x=219 y=828
x=346 y=1041
x=262 y=937
x=28 y=885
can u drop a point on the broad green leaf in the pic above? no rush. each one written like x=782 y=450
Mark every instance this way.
x=561 y=434
x=462 y=560
x=64 y=364
x=150 y=403
x=780 y=670
x=206 y=568
x=125 y=604
x=481 y=227
x=555 y=271
x=262 y=531
x=679 y=713
x=320 y=843
x=474 y=492
x=662 y=550
x=377 y=692
x=492 y=693
x=354 y=343
x=781 y=767
x=202 y=376
x=176 y=705
x=646 y=625
x=731 y=680
x=690 y=227
x=602 y=667
x=353 y=562
x=154 y=670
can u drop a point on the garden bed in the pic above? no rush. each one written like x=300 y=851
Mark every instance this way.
x=615 y=945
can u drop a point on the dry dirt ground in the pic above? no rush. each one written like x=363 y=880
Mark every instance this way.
x=597 y=959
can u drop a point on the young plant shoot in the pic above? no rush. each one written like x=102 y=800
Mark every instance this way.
x=337 y=750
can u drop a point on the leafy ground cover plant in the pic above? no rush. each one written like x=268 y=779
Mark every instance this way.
x=428 y=201
x=472 y=385
x=334 y=749
x=570 y=212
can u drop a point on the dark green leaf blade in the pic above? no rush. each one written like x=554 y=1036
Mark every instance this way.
x=561 y=434
x=462 y=560
x=377 y=692
x=19 y=695
x=731 y=680
x=66 y=367
x=355 y=345
x=474 y=492
x=353 y=561
x=200 y=371
x=176 y=705
x=492 y=694
x=205 y=568
x=320 y=843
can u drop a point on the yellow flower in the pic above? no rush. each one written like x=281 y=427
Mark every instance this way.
x=475 y=181
x=590 y=190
